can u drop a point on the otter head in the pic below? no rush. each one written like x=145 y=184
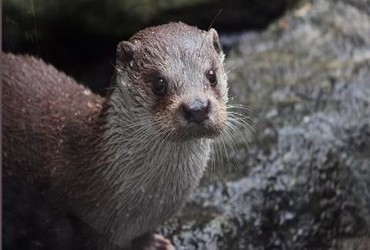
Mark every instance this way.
x=175 y=72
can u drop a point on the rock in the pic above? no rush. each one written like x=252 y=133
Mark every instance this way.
x=305 y=181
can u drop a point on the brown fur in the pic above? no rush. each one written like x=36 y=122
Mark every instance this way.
x=44 y=120
x=125 y=164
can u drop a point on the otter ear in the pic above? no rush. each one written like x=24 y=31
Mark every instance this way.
x=213 y=35
x=125 y=53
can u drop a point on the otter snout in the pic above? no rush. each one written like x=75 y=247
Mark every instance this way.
x=196 y=116
x=196 y=110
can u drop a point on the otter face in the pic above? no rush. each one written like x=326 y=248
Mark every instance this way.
x=176 y=72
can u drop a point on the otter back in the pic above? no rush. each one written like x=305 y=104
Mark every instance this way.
x=45 y=112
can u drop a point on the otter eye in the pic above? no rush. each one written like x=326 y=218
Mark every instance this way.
x=212 y=77
x=160 y=86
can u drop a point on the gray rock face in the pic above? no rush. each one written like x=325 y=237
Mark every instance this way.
x=305 y=181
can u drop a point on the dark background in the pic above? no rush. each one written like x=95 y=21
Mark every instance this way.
x=80 y=37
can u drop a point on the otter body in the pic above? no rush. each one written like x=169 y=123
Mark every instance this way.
x=125 y=163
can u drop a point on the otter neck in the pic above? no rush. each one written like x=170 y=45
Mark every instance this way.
x=136 y=168
x=138 y=149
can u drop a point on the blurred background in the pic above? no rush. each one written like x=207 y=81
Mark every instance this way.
x=80 y=37
x=303 y=69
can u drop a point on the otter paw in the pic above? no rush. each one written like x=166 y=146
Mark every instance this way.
x=153 y=242
x=160 y=243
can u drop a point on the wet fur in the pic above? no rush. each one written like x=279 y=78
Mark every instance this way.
x=126 y=163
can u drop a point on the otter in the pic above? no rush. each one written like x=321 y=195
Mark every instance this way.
x=124 y=163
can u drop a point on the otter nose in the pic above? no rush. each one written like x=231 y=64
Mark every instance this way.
x=196 y=110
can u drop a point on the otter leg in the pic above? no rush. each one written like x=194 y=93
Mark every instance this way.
x=152 y=241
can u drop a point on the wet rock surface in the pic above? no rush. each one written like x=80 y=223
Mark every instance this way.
x=304 y=183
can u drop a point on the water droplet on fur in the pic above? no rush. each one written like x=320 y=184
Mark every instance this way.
x=131 y=63
x=90 y=104
x=87 y=92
